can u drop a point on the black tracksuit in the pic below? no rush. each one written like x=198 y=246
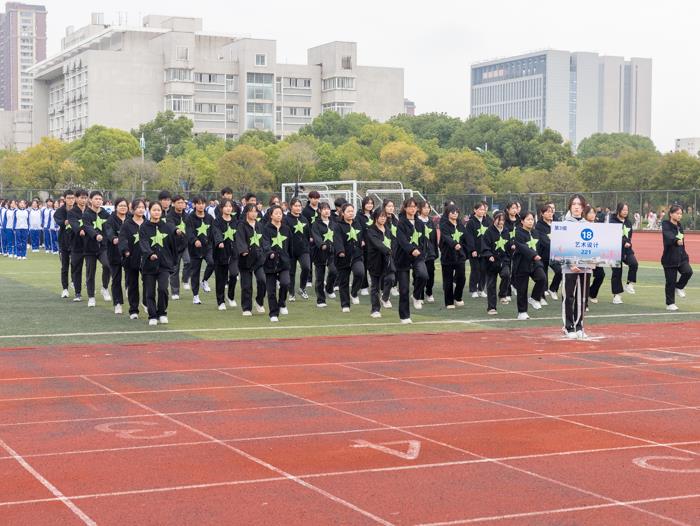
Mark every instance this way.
x=277 y=251
x=494 y=243
x=112 y=228
x=410 y=237
x=348 y=259
x=183 y=255
x=94 y=225
x=300 y=249
x=475 y=229
x=525 y=267
x=130 y=250
x=203 y=234
x=544 y=231
x=381 y=247
x=675 y=259
x=157 y=239
x=430 y=231
x=250 y=263
x=628 y=257
x=225 y=258
x=324 y=258
x=65 y=241
x=452 y=260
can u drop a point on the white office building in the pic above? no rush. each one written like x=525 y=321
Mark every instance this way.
x=123 y=76
x=690 y=145
x=576 y=94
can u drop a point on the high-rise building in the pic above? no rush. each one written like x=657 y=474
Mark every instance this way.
x=576 y=94
x=689 y=144
x=409 y=107
x=22 y=44
x=122 y=76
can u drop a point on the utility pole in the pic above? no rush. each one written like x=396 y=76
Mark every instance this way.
x=142 y=144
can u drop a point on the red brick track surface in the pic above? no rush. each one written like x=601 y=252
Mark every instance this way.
x=648 y=246
x=512 y=427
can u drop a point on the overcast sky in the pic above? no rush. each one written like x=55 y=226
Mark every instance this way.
x=436 y=41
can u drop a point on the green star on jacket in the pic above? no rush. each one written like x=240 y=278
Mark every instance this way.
x=626 y=231
x=387 y=242
x=456 y=235
x=415 y=237
x=680 y=236
x=393 y=230
x=278 y=240
x=328 y=236
x=512 y=234
x=299 y=228
x=202 y=229
x=532 y=243
x=158 y=238
x=98 y=223
x=370 y=222
x=501 y=243
x=182 y=227
x=482 y=230
x=427 y=231
x=255 y=239
x=352 y=234
x=229 y=233
x=137 y=238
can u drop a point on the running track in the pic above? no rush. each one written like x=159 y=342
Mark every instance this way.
x=513 y=427
x=648 y=246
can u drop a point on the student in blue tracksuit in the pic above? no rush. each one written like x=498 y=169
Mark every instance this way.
x=3 y=214
x=35 y=227
x=9 y=228
x=53 y=228
x=46 y=219
x=20 y=226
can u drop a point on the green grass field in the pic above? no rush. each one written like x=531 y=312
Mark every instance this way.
x=32 y=313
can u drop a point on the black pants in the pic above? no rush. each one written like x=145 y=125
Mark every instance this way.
x=616 y=280
x=76 y=266
x=376 y=289
x=183 y=259
x=491 y=278
x=420 y=276
x=115 y=270
x=321 y=289
x=430 y=282
x=357 y=269
x=162 y=279
x=131 y=279
x=598 y=278
x=208 y=271
x=521 y=283
x=277 y=299
x=453 y=280
x=477 y=274
x=247 y=288
x=304 y=261
x=91 y=271
x=195 y=272
x=575 y=298
x=556 y=280
x=64 y=256
x=671 y=274
x=226 y=274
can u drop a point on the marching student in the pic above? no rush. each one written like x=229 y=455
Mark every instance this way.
x=590 y=215
x=410 y=256
x=250 y=259
x=35 y=225
x=226 y=193
x=476 y=228
x=47 y=225
x=95 y=246
x=365 y=219
x=380 y=260
x=277 y=251
x=53 y=228
x=166 y=199
x=544 y=233
x=224 y=252
x=452 y=257
x=112 y=228
x=576 y=280
x=130 y=249
x=675 y=259
x=198 y=225
x=495 y=251
x=628 y=257
x=274 y=201
x=20 y=226
x=65 y=238
x=311 y=213
x=348 y=256
x=527 y=263
x=176 y=217
x=158 y=254
x=300 y=248
x=323 y=255
x=511 y=224
x=392 y=224
x=75 y=224
x=9 y=222
x=431 y=246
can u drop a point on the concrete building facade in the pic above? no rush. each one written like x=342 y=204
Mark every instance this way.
x=121 y=77
x=689 y=144
x=576 y=94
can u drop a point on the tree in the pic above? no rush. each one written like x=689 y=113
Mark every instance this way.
x=244 y=169
x=11 y=174
x=462 y=172
x=331 y=127
x=134 y=174
x=163 y=133
x=613 y=145
x=439 y=126
x=177 y=173
x=377 y=135
x=42 y=163
x=405 y=162
x=257 y=138
x=98 y=152
x=296 y=162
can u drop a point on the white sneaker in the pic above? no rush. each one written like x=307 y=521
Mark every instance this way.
x=407 y=321
x=336 y=288
x=260 y=309
x=417 y=304
x=593 y=300
x=475 y=294
x=429 y=299
x=91 y=302
x=321 y=305
x=309 y=285
x=247 y=313
x=133 y=316
x=681 y=293
x=105 y=295
x=509 y=298
x=284 y=311
x=513 y=291
x=523 y=316
x=543 y=302
x=386 y=304
x=291 y=299
x=581 y=335
x=450 y=307
x=505 y=301
x=394 y=292
x=672 y=306
x=364 y=292
x=175 y=297
x=492 y=312
x=482 y=294
x=535 y=304
x=376 y=315
x=459 y=304
x=152 y=322
x=554 y=296
x=303 y=294
x=186 y=285
x=355 y=300
x=331 y=295
x=163 y=320
x=274 y=319
x=196 y=300
x=345 y=309
x=546 y=293
x=617 y=299
x=205 y=286
x=232 y=303
x=64 y=294
x=572 y=335
x=222 y=306
x=117 y=309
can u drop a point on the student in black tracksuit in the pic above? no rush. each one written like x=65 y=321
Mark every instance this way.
x=476 y=228
x=381 y=247
x=527 y=263
x=250 y=260
x=94 y=219
x=277 y=251
x=311 y=213
x=590 y=215
x=65 y=238
x=130 y=249
x=158 y=256
x=322 y=231
x=431 y=239
x=75 y=222
x=176 y=217
x=544 y=231
x=365 y=219
x=494 y=249
x=628 y=257
x=452 y=257
x=112 y=228
x=300 y=243
x=675 y=259
x=511 y=224
x=410 y=256
x=392 y=224
x=348 y=256
x=198 y=225
x=224 y=253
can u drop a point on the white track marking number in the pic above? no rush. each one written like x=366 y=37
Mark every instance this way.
x=410 y=454
x=134 y=430
x=646 y=463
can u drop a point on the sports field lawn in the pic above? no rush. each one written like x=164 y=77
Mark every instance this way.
x=32 y=313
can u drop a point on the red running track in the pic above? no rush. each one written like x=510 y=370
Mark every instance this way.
x=648 y=246
x=513 y=427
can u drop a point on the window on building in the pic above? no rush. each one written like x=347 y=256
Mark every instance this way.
x=179 y=103
x=182 y=53
x=343 y=108
x=178 y=74
x=231 y=83
x=291 y=82
x=347 y=62
x=260 y=59
x=259 y=78
x=332 y=83
x=232 y=112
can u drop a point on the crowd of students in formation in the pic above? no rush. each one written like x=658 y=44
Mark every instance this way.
x=381 y=251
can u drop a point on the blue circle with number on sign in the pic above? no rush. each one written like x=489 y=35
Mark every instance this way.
x=586 y=234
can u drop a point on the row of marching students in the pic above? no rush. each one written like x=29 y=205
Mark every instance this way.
x=21 y=225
